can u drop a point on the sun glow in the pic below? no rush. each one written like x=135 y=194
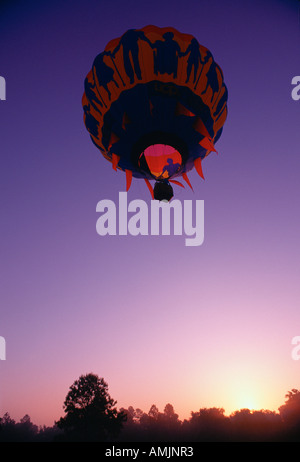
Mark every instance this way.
x=246 y=400
x=245 y=393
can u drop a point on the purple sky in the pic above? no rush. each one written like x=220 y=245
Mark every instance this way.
x=194 y=326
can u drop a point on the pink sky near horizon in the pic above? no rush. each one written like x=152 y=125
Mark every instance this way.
x=207 y=326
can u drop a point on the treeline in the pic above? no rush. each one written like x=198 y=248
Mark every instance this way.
x=206 y=425
x=25 y=430
x=91 y=415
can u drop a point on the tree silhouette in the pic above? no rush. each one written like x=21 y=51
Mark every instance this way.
x=290 y=413
x=169 y=424
x=169 y=413
x=12 y=431
x=208 y=424
x=260 y=425
x=153 y=412
x=90 y=411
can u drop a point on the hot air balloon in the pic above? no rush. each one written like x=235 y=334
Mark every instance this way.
x=155 y=104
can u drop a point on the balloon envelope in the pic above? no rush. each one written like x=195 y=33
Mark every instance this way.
x=155 y=103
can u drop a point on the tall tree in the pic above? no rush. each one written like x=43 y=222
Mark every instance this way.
x=290 y=410
x=91 y=414
x=169 y=413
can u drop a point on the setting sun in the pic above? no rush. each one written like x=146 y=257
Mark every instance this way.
x=247 y=400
